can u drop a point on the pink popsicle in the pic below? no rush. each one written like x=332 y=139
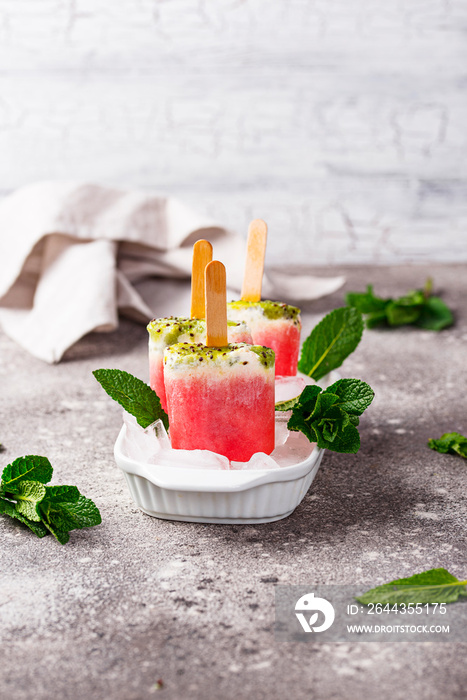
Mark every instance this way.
x=274 y=325
x=167 y=331
x=220 y=396
x=221 y=399
x=271 y=323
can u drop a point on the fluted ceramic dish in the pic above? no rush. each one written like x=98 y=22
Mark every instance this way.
x=219 y=496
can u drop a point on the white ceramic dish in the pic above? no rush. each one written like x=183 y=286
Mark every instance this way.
x=211 y=496
x=218 y=496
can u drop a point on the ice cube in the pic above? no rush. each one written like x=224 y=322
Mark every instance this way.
x=158 y=429
x=289 y=387
x=138 y=443
x=296 y=449
x=191 y=459
x=259 y=460
x=281 y=430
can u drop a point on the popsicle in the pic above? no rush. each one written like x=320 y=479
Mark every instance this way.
x=173 y=329
x=273 y=324
x=220 y=396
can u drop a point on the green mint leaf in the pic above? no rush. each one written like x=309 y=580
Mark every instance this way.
x=330 y=417
x=29 y=468
x=435 y=315
x=333 y=427
x=433 y=586
x=287 y=405
x=401 y=314
x=346 y=439
x=376 y=319
x=27 y=495
x=44 y=509
x=417 y=308
x=330 y=342
x=309 y=396
x=61 y=535
x=354 y=395
x=300 y=420
x=416 y=297
x=367 y=302
x=61 y=494
x=299 y=423
x=133 y=394
x=8 y=508
x=452 y=443
x=71 y=516
x=324 y=402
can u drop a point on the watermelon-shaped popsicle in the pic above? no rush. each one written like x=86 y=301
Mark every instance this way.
x=167 y=331
x=274 y=325
x=220 y=398
x=170 y=330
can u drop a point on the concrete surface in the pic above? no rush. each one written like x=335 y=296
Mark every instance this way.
x=138 y=599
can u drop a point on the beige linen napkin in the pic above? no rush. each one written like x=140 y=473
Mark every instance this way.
x=71 y=255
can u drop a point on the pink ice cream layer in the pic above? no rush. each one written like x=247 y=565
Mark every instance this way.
x=222 y=402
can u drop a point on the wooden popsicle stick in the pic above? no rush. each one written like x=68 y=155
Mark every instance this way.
x=202 y=255
x=254 y=267
x=216 y=305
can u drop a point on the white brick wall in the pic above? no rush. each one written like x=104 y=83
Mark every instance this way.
x=341 y=123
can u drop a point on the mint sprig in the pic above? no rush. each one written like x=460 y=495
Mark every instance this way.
x=330 y=417
x=450 y=443
x=330 y=342
x=56 y=509
x=8 y=508
x=32 y=468
x=418 y=308
x=432 y=586
x=136 y=397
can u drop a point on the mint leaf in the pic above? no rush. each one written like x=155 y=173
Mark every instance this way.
x=133 y=394
x=60 y=516
x=376 y=319
x=55 y=509
x=61 y=535
x=61 y=494
x=28 y=494
x=330 y=417
x=330 y=342
x=300 y=419
x=72 y=515
x=435 y=315
x=402 y=314
x=452 y=443
x=287 y=405
x=30 y=468
x=366 y=302
x=433 y=586
x=417 y=308
x=354 y=395
x=335 y=432
x=8 y=508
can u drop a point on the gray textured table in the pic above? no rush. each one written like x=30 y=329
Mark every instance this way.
x=139 y=599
